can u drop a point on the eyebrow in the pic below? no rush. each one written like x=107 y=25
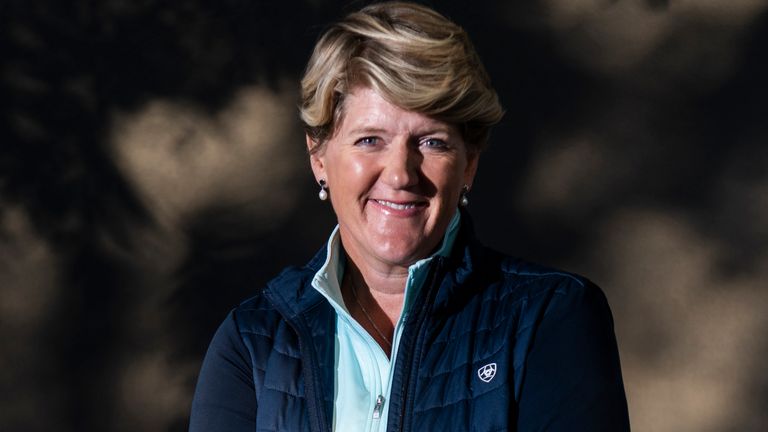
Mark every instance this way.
x=375 y=130
x=367 y=130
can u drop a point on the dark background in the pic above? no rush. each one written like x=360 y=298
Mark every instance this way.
x=153 y=174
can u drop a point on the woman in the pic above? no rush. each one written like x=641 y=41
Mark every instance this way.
x=404 y=321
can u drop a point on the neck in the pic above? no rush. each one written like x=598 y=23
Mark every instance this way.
x=376 y=291
x=376 y=311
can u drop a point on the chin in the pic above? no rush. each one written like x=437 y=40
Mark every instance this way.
x=402 y=254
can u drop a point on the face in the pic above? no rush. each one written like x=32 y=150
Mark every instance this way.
x=394 y=178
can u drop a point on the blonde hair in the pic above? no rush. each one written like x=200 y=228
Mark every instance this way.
x=414 y=57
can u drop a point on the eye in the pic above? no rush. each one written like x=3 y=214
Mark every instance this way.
x=367 y=141
x=434 y=143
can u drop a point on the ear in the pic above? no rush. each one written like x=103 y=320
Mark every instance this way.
x=471 y=168
x=316 y=160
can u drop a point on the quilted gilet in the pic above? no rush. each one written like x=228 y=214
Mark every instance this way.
x=491 y=344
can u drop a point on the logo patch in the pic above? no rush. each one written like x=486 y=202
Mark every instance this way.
x=487 y=372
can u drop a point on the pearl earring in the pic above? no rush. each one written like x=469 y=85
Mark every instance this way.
x=323 y=194
x=463 y=200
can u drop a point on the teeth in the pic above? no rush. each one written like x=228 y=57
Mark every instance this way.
x=396 y=206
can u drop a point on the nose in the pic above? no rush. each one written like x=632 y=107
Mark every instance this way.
x=401 y=166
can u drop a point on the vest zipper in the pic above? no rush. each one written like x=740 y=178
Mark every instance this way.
x=310 y=388
x=421 y=318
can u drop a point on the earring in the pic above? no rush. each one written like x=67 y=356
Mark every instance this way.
x=323 y=194
x=463 y=200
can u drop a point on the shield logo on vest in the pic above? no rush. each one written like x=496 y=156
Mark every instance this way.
x=487 y=372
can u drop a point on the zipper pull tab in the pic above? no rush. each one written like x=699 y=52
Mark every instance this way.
x=377 y=408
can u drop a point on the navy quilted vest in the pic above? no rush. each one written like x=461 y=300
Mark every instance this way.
x=492 y=344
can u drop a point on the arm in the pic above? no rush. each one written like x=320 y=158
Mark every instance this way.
x=572 y=380
x=224 y=398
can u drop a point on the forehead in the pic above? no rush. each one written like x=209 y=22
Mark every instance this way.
x=366 y=109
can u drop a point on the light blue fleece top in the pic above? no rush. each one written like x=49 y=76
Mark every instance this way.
x=363 y=372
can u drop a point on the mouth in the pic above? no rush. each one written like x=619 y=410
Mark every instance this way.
x=402 y=208
x=398 y=206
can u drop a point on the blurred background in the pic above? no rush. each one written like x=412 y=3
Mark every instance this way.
x=153 y=174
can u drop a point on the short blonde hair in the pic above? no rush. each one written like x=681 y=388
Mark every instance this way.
x=414 y=57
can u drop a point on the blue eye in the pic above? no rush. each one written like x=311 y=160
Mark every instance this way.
x=367 y=141
x=434 y=143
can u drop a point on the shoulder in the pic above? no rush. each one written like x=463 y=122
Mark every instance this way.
x=255 y=315
x=549 y=296
x=536 y=279
x=540 y=293
x=264 y=310
x=524 y=271
x=475 y=258
x=527 y=278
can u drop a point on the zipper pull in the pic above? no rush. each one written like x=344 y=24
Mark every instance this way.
x=377 y=408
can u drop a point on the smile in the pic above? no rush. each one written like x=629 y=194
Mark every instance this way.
x=396 y=206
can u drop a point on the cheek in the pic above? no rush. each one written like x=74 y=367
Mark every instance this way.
x=359 y=169
x=350 y=173
x=448 y=177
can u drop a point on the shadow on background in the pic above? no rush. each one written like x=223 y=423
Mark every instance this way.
x=153 y=175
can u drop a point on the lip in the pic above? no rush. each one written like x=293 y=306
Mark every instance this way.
x=398 y=208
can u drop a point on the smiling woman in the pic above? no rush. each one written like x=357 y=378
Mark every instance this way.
x=395 y=178
x=404 y=321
